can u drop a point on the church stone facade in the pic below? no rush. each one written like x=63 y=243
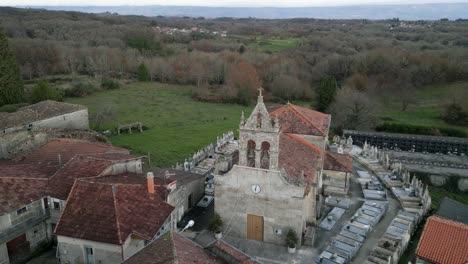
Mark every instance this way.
x=277 y=184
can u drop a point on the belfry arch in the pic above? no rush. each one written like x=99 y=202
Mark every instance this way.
x=265 y=155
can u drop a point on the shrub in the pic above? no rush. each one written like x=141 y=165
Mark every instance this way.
x=43 y=91
x=216 y=223
x=11 y=107
x=80 y=89
x=455 y=114
x=109 y=84
x=291 y=238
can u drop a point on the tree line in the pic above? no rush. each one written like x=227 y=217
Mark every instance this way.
x=335 y=63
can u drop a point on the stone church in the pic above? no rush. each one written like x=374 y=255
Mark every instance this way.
x=277 y=183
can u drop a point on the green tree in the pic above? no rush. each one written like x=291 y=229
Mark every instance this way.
x=11 y=85
x=326 y=93
x=142 y=73
x=42 y=91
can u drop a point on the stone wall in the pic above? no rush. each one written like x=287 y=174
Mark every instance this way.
x=33 y=209
x=20 y=142
x=179 y=197
x=72 y=121
x=36 y=235
x=280 y=204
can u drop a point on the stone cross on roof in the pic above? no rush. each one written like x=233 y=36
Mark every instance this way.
x=260 y=91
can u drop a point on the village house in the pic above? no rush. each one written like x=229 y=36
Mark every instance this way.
x=35 y=186
x=173 y=248
x=443 y=241
x=277 y=184
x=32 y=125
x=106 y=222
x=445 y=235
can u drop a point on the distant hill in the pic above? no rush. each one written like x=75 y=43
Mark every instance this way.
x=406 y=12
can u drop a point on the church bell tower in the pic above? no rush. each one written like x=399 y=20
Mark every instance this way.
x=259 y=138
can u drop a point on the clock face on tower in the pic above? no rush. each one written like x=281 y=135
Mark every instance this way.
x=256 y=188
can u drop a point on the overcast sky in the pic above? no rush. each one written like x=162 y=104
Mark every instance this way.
x=227 y=3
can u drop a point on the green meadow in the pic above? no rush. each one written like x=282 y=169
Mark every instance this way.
x=175 y=125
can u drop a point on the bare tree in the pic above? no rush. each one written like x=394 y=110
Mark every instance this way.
x=353 y=109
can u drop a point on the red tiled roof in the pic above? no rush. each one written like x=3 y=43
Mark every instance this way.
x=237 y=255
x=173 y=248
x=61 y=182
x=109 y=213
x=338 y=162
x=17 y=192
x=299 y=120
x=297 y=155
x=443 y=241
x=67 y=148
x=27 y=170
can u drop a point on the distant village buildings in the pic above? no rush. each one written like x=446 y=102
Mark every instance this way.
x=172 y=31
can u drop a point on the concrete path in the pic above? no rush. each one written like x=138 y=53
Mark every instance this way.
x=379 y=229
x=272 y=254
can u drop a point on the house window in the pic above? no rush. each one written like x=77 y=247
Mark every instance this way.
x=22 y=210
x=89 y=255
x=57 y=205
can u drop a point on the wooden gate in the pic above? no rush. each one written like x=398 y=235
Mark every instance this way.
x=255 y=227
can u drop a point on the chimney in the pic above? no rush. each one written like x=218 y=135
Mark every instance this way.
x=150 y=182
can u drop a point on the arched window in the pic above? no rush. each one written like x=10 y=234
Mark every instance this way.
x=265 y=156
x=251 y=153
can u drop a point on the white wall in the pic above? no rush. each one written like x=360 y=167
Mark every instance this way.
x=4 y=254
x=72 y=251
x=134 y=165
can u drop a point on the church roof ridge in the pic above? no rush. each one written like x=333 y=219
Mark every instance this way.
x=301 y=115
x=305 y=142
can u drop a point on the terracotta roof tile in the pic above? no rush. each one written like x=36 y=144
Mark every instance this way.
x=443 y=241
x=61 y=182
x=299 y=120
x=67 y=148
x=109 y=213
x=237 y=255
x=27 y=170
x=173 y=248
x=297 y=155
x=338 y=162
x=17 y=192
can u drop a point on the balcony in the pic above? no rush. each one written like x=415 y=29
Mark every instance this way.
x=19 y=229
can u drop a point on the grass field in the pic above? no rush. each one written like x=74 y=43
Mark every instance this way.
x=428 y=107
x=177 y=125
x=275 y=44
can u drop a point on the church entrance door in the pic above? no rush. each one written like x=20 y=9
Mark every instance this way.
x=255 y=227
